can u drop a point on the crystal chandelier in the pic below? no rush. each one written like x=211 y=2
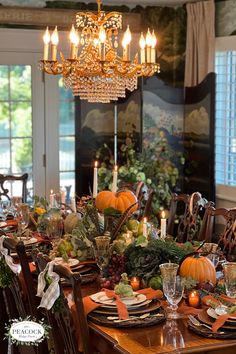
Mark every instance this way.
x=94 y=70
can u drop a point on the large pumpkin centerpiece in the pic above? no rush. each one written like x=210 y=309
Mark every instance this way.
x=121 y=200
x=198 y=268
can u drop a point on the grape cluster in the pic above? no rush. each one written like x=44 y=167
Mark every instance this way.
x=115 y=268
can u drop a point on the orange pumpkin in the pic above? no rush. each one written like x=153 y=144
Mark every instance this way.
x=120 y=200
x=198 y=268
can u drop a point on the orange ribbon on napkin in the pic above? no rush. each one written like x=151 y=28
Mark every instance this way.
x=151 y=293
x=220 y=321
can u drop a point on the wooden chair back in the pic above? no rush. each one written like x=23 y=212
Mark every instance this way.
x=226 y=239
x=63 y=325
x=187 y=212
x=5 y=179
x=20 y=296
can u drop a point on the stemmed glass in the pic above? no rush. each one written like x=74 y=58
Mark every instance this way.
x=101 y=252
x=23 y=217
x=5 y=209
x=54 y=228
x=173 y=289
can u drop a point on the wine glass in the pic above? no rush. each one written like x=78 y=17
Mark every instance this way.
x=101 y=252
x=5 y=209
x=173 y=289
x=23 y=217
x=54 y=228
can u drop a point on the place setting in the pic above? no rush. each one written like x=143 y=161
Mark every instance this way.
x=123 y=307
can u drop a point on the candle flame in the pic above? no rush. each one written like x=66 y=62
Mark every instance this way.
x=95 y=164
x=51 y=191
x=116 y=168
x=145 y=220
x=163 y=215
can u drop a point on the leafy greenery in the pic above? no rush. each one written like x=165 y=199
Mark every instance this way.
x=6 y=274
x=144 y=261
x=157 y=166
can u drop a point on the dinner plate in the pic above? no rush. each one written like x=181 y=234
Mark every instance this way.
x=103 y=299
x=205 y=318
x=131 y=307
x=71 y=262
x=153 y=305
x=3 y=224
x=212 y=313
x=30 y=241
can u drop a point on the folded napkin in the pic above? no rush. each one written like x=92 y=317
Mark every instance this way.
x=16 y=268
x=52 y=292
x=220 y=321
x=151 y=293
x=188 y=310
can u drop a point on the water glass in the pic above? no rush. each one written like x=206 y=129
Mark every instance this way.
x=173 y=289
x=168 y=270
x=229 y=269
x=101 y=251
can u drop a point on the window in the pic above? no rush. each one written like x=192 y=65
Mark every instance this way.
x=225 y=116
x=16 y=122
x=36 y=116
x=66 y=138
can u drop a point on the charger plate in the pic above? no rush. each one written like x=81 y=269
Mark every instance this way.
x=101 y=319
x=151 y=306
x=205 y=332
x=205 y=318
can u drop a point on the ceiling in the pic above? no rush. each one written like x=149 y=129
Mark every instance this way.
x=130 y=3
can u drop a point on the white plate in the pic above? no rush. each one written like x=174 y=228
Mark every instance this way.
x=3 y=224
x=103 y=299
x=72 y=262
x=220 y=310
x=30 y=241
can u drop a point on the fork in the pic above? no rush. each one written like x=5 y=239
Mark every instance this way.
x=197 y=323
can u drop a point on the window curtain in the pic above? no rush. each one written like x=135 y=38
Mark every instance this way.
x=200 y=41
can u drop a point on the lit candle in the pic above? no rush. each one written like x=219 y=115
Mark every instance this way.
x=194 y=298
x=51 y=199
x=126 y=44
x=145 y=227
x=95 y=179
x=54 y=41
x=114 y=183
x=135 y=283
x=74 y=40
x=163 y=225
x=46 y=40
x=148 y=44
x=63 y=196
x=153 y=48
x=128 y=238
x=142 y=44
x=102 y=43
x=73 y=204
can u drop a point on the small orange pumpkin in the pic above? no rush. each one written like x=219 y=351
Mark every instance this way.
x=198 y=268
x=120 y=200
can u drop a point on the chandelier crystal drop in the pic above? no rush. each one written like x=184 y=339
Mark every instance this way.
x=95 y=70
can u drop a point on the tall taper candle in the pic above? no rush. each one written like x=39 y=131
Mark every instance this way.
x=95 y=179
x=163 y=225
x=145 y=227
x=114 y=183
x=51 y=199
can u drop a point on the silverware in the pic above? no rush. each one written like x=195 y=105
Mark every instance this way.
x=197 y=323
x=131 y=318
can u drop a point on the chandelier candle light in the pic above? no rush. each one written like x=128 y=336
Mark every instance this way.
x=95 y=70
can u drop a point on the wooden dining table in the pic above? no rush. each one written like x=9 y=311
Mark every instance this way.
x=171 y=336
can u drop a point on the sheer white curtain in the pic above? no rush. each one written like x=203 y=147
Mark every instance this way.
x=200 y=43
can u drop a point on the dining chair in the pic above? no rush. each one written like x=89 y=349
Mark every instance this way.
x=226 y=238
x=20 y=295
x=186 y=216
x=69 y=329
x=5 y=180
